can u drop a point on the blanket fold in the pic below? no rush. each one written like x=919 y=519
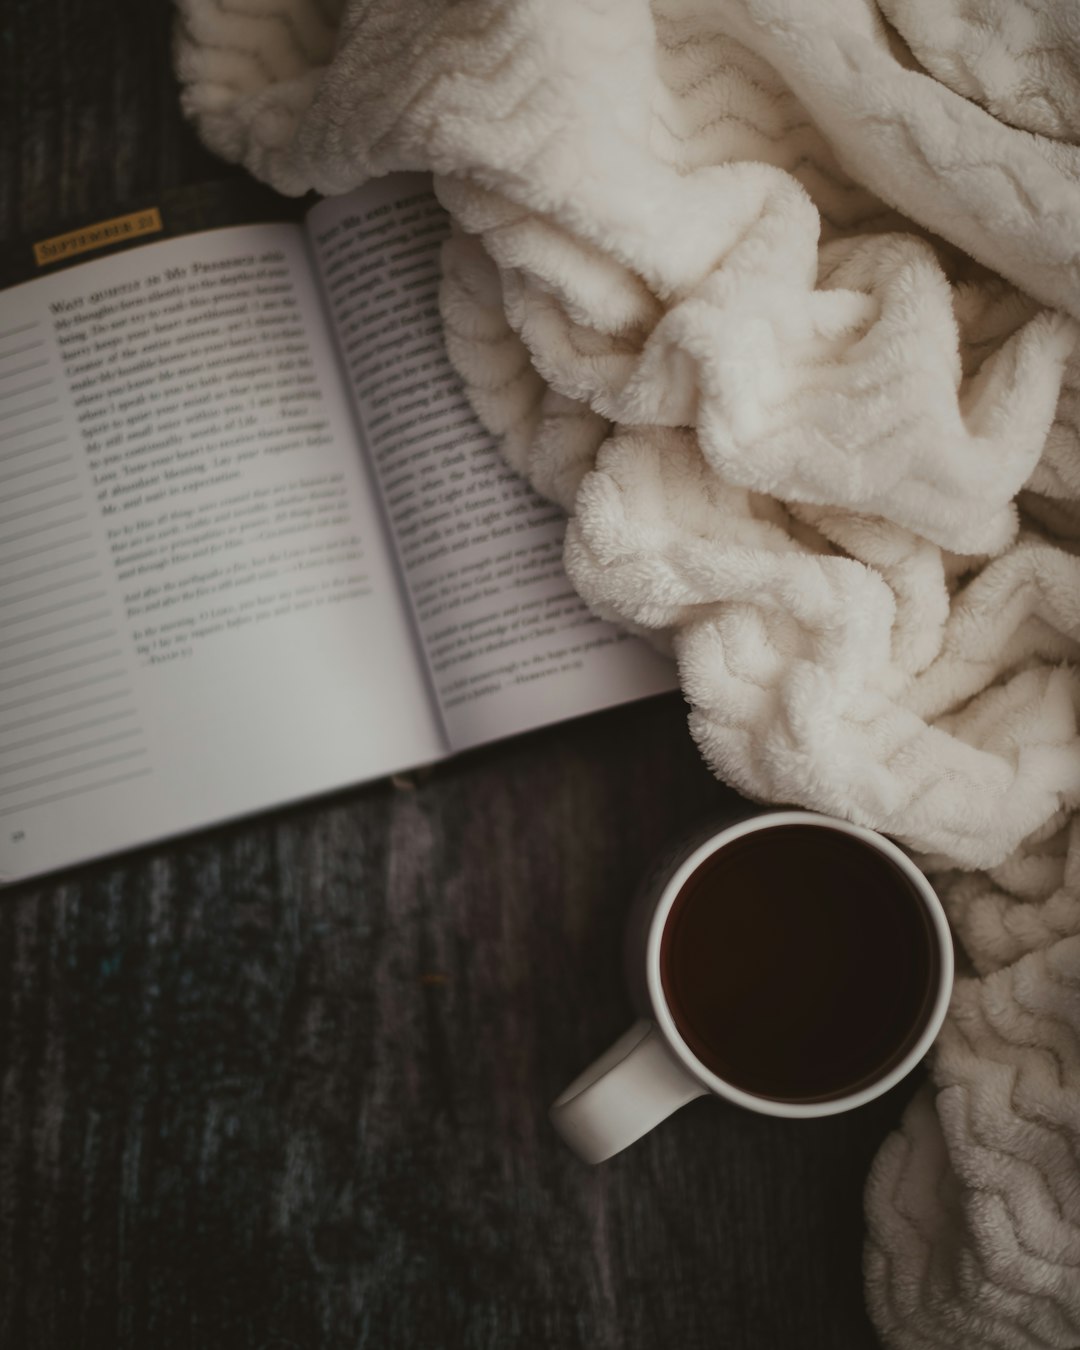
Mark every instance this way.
x=780 y=302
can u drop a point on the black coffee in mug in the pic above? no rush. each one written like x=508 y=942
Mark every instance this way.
x=799 y=963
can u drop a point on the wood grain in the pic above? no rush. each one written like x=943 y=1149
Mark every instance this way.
x=284 y=1084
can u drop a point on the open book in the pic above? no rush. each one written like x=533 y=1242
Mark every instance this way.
x=254 y=544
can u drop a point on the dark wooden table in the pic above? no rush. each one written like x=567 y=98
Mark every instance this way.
x=284 y=1084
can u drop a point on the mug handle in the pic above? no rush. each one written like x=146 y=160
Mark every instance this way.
x=622 y=1095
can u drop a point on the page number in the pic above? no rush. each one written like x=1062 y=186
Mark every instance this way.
x=17 y=836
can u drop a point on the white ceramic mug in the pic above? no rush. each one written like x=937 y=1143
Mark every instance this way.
x=651 y=1071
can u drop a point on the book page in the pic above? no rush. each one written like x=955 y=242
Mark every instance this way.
x=200 y=615
x=510 y=644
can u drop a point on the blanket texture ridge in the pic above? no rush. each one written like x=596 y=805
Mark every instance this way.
x=780 y=301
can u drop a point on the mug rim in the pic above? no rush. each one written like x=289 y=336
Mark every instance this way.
x=774 y=1106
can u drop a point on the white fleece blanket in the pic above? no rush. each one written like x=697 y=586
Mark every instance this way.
x=778 y=299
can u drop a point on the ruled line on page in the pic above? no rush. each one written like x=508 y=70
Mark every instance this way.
x=52 y=609
x=30 y=407
x=64 y=647
x=49 y=567
x=60 y=670
x=18 y=351
x=39 y=529
x=37 y=426
x=36 y=468
x=22 y=328
x=25 y=389
x=63 y=689
x=48 y=590
x=41 y=487
x=73 y=750
x=74 y=792
x=71 y=707
x=30 y=449
x=56 y=627
x=47 y=548
x=66 y=773
x=23 y=370
x=43 y=736
x=45 y=506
